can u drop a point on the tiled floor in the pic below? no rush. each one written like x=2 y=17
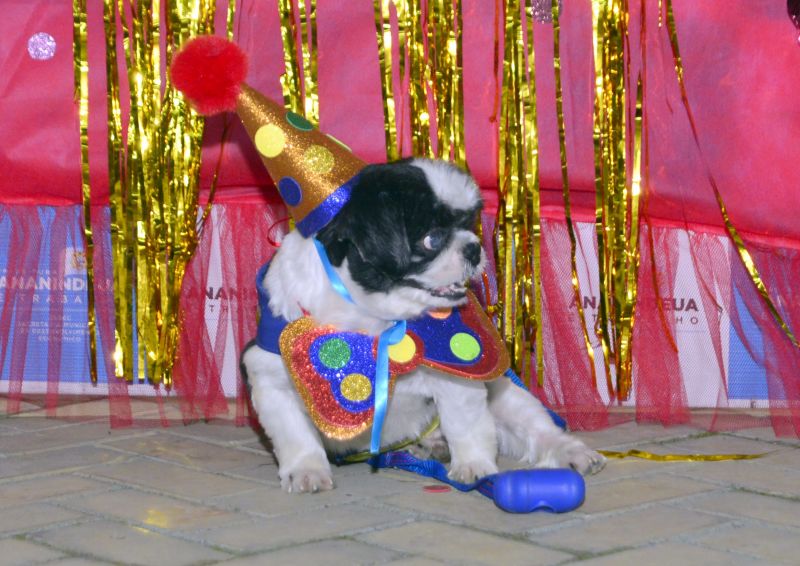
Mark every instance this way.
x=79 y=493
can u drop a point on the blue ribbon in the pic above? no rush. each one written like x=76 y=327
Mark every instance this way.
x=388 y=337
x=336 y=281
x=515 y=491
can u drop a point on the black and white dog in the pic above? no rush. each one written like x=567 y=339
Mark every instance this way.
x=403 y=244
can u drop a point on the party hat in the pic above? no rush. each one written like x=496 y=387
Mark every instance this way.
x=313 y=171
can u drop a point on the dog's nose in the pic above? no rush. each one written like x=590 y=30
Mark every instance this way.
x=472 y=253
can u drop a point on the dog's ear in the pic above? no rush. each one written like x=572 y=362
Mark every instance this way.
x=335 y=238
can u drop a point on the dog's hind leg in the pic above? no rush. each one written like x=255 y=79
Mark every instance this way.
x=302 y=462
x=526 y=432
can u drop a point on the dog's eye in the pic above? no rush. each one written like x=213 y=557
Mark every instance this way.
x=434 y=240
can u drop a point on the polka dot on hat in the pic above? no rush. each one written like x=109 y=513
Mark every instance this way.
x=270 y=140
x=318 y=159
x=290 y=191
x=297 y=121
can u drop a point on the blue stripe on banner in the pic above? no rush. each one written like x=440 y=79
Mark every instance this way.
x=747 y=379
x=74 y=361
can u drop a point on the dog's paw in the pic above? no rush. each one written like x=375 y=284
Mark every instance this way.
x=432 y=446
x=582 y=459
x=468 y=472
x=309 y=477
x=307 y=481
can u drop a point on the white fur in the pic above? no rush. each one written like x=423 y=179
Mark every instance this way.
x=451 y=185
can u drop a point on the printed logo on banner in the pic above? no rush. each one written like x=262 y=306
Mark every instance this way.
x=36 y=333
x=704 y=380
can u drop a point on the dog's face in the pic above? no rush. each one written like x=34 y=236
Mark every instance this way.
x=408 y=232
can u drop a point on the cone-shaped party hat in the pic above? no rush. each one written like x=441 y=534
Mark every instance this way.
x=314 y=172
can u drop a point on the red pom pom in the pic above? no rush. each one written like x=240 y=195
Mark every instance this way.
x=208 y=71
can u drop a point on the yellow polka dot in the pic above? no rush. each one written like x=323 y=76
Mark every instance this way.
x=403 y=351
x=318 y=159
x=440 y=314
x=356 y=387
x=270 y=140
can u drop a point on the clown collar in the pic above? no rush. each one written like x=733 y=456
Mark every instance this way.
x=339 y=376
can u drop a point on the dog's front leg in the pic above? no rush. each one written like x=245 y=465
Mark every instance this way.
x=467 y=425
x=526 y=432
x=302 y=463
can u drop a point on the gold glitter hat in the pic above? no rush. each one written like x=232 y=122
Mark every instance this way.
x=313 y=171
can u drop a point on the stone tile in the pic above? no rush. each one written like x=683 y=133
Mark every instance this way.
x=341 y=552
x=770 y=546
x=720 y=444
x=460 y=545
x=15 y=552
x=263 y=470
x=5 y=428
x=736 y=504
x=786 y=458
x=636 y=491
x=169 y=478
x=471 y=509
x=155 y=411
x=60 y=436
x=129 y=545
x=669 y=554
x=631 y=466
x=189 y=452
x=220 y=432
x=64 y=460
x=327 y=522
x=765 y=433
x=155 y=511
x=625 y=530
x=416 y=561
x=631 y=433
x=363 y=482
x=30 y=517
x=23 y=423
x=750 y=475
x=42 y=489
x=77 y=562
x=22 y=409
x=96 y=408
x=272 y=501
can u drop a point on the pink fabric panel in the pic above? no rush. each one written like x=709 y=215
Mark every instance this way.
x=481 y=103
x=39 y=142
x=741 y=59
x=351 y=107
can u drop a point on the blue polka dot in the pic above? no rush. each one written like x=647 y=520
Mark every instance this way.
x=290 y=191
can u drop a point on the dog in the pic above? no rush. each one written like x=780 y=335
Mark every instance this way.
x=404 y=244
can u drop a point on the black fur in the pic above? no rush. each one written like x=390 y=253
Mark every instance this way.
x=382 y=227
x=243 y=368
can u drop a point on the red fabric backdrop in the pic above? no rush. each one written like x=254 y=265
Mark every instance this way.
x=740 y=59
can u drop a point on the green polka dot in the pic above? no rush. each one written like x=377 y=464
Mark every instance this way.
x=299 y=122
x=465 y=347
x=335 y=353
